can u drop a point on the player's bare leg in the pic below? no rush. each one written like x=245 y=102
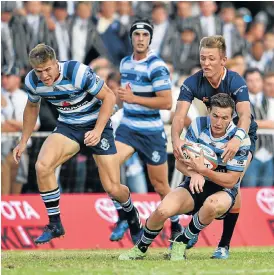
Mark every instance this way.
x=178 y=201
x=158 y=175
x=214 y=206
x=56 y=150
x=109 y=171
x=124 y=152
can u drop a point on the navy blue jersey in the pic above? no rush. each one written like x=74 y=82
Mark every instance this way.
x=198 y=86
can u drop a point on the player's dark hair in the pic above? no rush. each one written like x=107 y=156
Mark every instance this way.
x=223 y=101
x=141 y=24
x=41 y=54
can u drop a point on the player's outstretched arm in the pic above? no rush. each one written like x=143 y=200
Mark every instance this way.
x=31 y=113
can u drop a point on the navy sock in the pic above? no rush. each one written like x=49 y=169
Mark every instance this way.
x=194 y=228
x=228 y=228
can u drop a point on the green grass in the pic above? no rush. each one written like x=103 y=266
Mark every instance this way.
x=244 y=261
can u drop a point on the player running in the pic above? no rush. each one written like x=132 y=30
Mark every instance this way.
x=85 y=105
x=205 y=194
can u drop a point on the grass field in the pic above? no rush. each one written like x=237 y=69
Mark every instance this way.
x=242 y=261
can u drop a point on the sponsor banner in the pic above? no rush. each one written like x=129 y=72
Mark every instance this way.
x=89 y=219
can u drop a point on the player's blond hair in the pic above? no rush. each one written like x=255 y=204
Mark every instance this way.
x=215 y=41
x=41 y=54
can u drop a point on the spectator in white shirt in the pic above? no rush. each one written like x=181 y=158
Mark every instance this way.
x=13 y=176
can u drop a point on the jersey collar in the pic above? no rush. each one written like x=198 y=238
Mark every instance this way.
x=221 y=79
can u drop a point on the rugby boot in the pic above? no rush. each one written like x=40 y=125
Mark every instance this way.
x=133 y=254
x=119 y=231
x=51 y=231
x=221 y=253
x=178 y=251
x=192 y=241
x=175 y=234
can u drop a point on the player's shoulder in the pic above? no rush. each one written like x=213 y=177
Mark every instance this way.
x=71 y=68
x=193 y=80
x=125 y=59
x=31 y=80
x=154 y=60
x=235 y=80
x=201 y=123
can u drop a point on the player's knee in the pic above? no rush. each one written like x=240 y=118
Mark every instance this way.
x=211 y=205
x=162 y=213
x=42 y=168
x=113 y=189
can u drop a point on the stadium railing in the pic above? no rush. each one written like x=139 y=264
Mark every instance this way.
x=38 y=138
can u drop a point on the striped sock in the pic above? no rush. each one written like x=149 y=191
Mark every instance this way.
x=147 y=238
x=192 y=230
x=175 y=225
x=128 y=205
x=51 y=201
x=120 y=210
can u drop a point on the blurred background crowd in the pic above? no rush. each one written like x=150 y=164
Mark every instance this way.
x=97 y=34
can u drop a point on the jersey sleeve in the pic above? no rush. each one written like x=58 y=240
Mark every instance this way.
x=30 y=88
x=192 y=133
x=186 y=91
x=239 y=89
x=160 y=76
x=83 y=77
x=239 y=161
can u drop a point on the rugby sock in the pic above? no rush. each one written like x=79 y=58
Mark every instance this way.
x=175 y=225
x=228 y=227
x=51 y=200
x=132 y=216
x=121 y=212
x=147 y=238
x=194 y=228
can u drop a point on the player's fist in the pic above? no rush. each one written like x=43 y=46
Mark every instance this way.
x=18 y=151
x=177 y=148
x=126 y=94
x=92 y=138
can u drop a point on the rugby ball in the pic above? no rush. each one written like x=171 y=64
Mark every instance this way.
x=210 y=157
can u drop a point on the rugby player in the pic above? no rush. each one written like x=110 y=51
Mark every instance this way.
x=145 y=89
x=212 y=79
x=85 y=104
x=205 y=194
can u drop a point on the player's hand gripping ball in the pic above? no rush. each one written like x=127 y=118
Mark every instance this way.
x=210 y=157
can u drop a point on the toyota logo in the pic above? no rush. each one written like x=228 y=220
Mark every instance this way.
x=106 y=209
x=265 y=199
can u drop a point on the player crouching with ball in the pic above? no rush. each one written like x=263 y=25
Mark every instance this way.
x=205 y=194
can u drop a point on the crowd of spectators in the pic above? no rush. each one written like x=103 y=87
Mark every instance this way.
x=97 y=34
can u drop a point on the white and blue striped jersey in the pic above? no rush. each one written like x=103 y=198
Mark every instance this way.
x=73 y=93
x=146 y=77
x=199 y=132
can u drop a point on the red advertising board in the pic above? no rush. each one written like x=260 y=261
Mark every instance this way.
x=89 y=218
